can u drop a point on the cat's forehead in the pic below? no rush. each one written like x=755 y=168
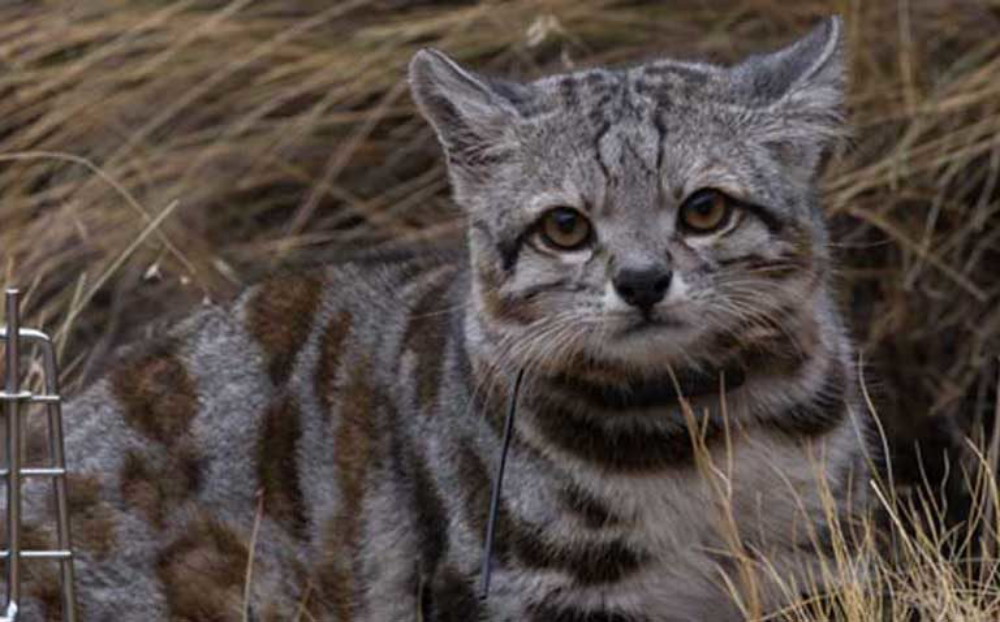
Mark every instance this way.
x=657 y=87
x=661 y=127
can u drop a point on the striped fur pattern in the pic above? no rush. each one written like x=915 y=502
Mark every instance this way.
x=355 y=412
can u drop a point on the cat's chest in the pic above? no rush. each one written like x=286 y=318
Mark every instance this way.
x=668 y=544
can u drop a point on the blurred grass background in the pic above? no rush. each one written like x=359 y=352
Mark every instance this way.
x=157 y=153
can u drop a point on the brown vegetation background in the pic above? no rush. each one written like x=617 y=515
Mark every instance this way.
x=155 y=153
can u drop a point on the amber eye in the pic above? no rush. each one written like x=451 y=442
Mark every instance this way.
x=566 y=229
x=706 y=211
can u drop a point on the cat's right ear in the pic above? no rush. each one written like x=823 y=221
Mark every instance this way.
x=470 y=117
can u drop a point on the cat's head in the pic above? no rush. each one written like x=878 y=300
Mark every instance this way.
x=646 y=213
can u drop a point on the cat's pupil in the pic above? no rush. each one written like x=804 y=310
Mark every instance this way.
x=567 y=222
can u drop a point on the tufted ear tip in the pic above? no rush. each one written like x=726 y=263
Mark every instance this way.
x=428 y=73
x=425 y=64
x=814 y=62
x=825 y=45
x=468 y=113
x=803 y=84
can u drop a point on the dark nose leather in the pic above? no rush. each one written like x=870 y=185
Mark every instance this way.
x=643 y=288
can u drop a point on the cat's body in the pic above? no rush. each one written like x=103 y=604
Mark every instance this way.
x=366 y=401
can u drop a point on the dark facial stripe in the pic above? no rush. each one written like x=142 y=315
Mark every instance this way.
x=547 y=613
x=498 y=306
x=777 y=269
x=818 y=415
x=279 y=317
x=156 y=394
x=603 y=126
x=774 y=222
x=508 y=248
x=277 y=465
x=628 y=395
x=589 y=564
x=621 y=449
x=661 y=141
x=426 y=336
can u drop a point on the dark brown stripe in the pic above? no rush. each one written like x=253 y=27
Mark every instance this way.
x=626 y=395
x=776 y=269
x=427 y=337
x=783 y=353
x=592 y=511
x=548 y=613
x=277 y=465
x=203 y=572
x=771 y=218
x=431 y=516
x=279 y=317
x=595 y=563
x=621 y=448
x=40 y=580
x=354 y=448
x=496 y=305
x=330 y=354
x=156 y=393
x=156 y=491
x=93 y=518
x=569 y=93
x=818 y=415
x=450 y=598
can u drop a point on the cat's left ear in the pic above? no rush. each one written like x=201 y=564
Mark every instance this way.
x=803 y=84
x=470 y=114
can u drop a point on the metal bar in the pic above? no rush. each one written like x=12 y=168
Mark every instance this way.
x=39 y=554
x=37 y=472
x=57 y=455
x=13 y=414
x=27 y=334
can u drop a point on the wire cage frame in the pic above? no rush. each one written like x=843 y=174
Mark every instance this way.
x=14 y=401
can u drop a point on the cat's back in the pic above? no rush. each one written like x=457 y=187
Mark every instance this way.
x=265 y=411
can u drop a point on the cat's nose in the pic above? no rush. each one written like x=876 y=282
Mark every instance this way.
x=643 y=288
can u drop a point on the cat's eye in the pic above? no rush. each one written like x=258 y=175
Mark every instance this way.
x=706 y=211
x=566 y=229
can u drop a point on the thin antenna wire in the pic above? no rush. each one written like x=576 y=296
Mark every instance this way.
x=508 y=430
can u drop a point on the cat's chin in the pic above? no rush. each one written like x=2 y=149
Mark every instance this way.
x=649 y=326
x=649 y=341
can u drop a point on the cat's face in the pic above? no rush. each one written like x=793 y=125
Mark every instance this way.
x=642 y=215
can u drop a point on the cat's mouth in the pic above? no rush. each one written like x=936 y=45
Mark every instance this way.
x=649 y=323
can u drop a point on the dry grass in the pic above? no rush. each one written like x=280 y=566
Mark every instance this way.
x=901 y=563
x=154 y=153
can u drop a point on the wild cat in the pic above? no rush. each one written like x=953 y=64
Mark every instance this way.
x=645 y=244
